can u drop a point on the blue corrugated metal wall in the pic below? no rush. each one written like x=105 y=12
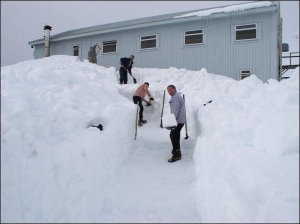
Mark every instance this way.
x=219 y=54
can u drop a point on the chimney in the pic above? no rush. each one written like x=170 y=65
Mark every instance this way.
x=47 y=40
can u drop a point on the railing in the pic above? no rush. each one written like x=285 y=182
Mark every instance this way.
x=285 y=68
x=290 y=56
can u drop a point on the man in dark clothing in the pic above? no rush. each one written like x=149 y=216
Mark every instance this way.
x=92 y=55
x=126 y=65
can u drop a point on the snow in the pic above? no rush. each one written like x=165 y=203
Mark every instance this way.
x=228 y=9
x=168 y=119
x=239 y=164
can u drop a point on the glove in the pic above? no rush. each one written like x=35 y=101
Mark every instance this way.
x=151 y=98
x=148 y=103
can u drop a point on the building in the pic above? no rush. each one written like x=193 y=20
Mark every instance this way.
x=234 y=41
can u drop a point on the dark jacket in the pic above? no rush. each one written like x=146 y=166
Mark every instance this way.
x=127 y=64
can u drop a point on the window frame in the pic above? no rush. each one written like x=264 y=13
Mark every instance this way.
x=110 y=42
x=242 y=29
x=245 y=73
x=151 y=48
x=184 y=36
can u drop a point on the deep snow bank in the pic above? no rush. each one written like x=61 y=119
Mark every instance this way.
x=49 y=156
x=53 y=167
x=247 y=151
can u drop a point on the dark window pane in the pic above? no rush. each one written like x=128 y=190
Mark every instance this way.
x=193 y=32
x=246 y=72
x=246 y=26
x=194 y=39
x=148 y=44
x=109 y=48
x=245 y=34
x=244 y=76
x=148 y=37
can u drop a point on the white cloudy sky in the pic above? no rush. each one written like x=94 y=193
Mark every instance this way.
x=22 y=22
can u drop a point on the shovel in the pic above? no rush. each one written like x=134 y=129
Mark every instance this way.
x=186 y=134
x=134 y=80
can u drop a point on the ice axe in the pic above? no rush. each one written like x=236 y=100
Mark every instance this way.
x=186 y=133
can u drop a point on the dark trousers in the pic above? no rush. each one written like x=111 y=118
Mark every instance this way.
x=123 y=76
x=175 y=137
x=139 y=100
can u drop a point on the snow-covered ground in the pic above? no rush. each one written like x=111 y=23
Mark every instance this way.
x=239 y=164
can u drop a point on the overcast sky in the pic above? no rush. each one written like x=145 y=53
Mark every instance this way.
x=22 y=22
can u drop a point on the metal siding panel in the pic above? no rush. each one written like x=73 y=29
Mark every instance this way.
x=219 y=54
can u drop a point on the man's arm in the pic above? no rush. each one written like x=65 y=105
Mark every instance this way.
x=146 y=90
x=98 y=47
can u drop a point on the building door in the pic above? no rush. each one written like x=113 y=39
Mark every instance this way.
x=76 y=51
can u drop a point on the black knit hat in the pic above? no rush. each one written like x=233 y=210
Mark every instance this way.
x=147 y=83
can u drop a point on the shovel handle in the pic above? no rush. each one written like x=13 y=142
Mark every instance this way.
x=186 y=134
x=162 y=111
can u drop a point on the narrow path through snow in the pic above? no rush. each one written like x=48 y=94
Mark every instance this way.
x=148 y=188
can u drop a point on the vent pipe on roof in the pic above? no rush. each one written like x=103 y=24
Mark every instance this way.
x=47 y=40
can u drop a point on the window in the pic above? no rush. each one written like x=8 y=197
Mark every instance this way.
x=148 y=42
x=109 y=47
x=245 y=74
x=76 y=51
x=245 y=32
x=193 y=37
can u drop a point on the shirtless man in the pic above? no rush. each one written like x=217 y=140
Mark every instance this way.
x=138 y=97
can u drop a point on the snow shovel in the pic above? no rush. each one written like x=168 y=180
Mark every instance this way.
x=134 y=80
x=186 y=134
x=162 y=110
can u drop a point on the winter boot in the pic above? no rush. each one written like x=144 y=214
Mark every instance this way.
x=142 y=121
x=140 y=124
x=176 y=155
